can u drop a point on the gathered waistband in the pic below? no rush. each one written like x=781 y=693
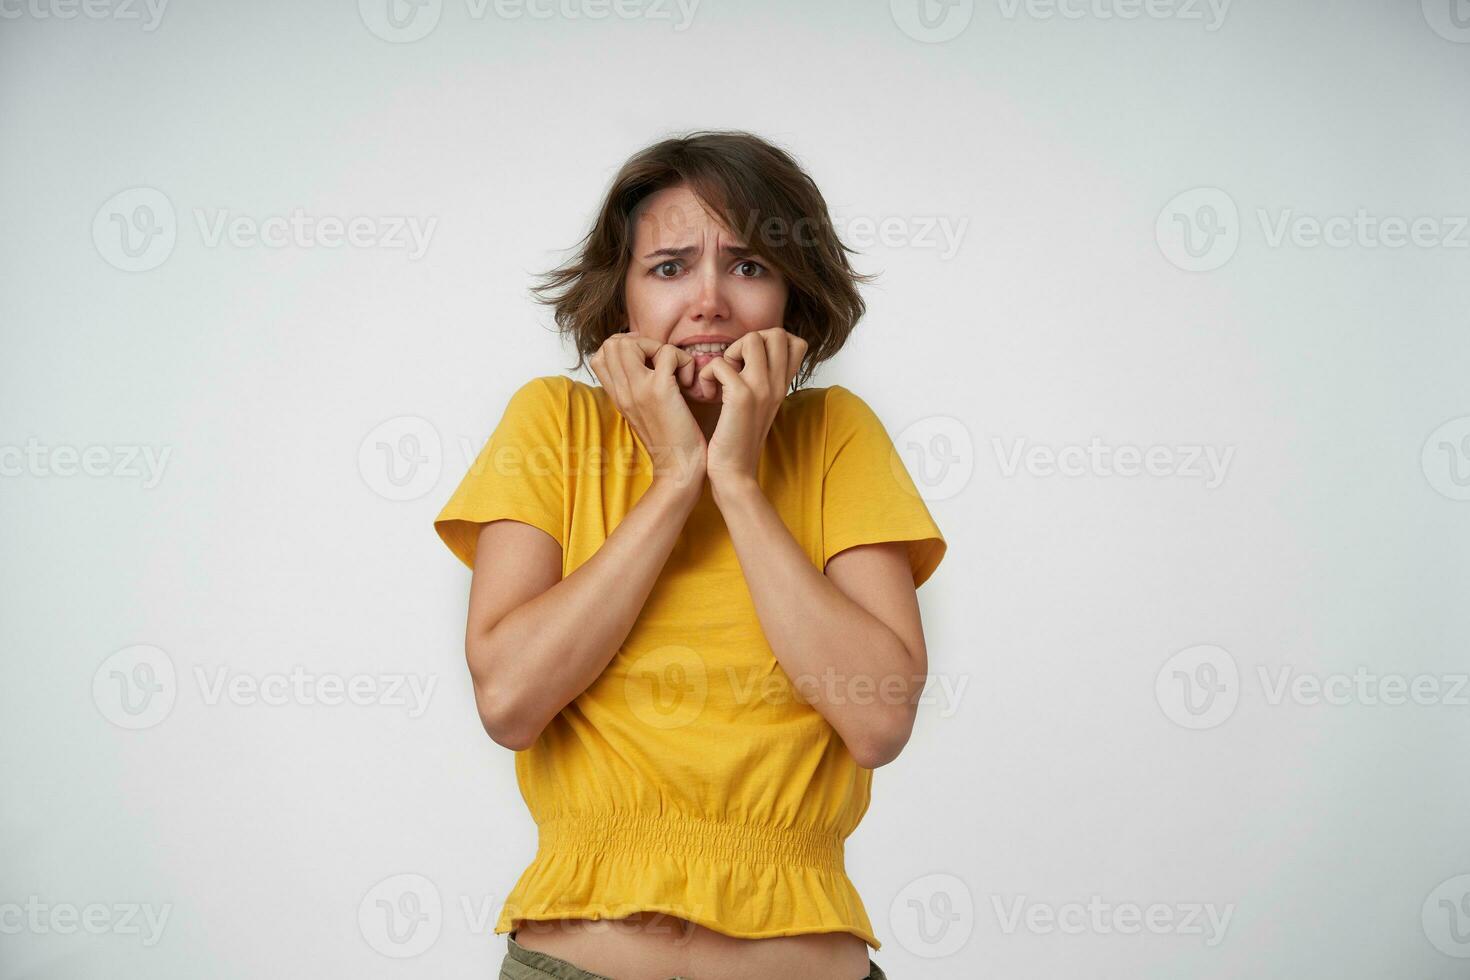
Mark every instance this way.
x=675 y=834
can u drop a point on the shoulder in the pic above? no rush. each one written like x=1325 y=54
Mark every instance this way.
x=828 y=411
x=547 y=386
x=579 y=392
x=829 y=400
x=537 y=406
x=843 y=409
x=817 y=403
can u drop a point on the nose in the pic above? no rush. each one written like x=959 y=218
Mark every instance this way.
x=709 y=302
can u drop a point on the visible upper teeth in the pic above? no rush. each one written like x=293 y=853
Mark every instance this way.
x=706 y=348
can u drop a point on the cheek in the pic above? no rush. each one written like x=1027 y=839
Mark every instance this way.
x=653 y=307
x=763 y=307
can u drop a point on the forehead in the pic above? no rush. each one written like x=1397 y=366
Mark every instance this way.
x=673 y=216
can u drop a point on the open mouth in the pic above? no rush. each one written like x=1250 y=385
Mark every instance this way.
x=710 y=349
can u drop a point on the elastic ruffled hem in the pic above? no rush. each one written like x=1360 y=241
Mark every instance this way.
x=744 y=900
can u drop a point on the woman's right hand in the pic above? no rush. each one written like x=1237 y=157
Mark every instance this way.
x=652 y=402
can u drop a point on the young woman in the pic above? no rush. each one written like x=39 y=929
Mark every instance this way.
x=693 y=610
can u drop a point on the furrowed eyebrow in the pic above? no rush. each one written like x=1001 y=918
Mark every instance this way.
x=738 y=251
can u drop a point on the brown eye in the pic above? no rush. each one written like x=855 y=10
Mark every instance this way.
x=663 y=265
x=753 y=265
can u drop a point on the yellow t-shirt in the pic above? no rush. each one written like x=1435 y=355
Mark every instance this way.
x=688 y=778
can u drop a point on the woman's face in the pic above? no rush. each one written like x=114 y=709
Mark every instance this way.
x=690 y=278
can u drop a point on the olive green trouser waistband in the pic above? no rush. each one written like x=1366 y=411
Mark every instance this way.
x=528 y=964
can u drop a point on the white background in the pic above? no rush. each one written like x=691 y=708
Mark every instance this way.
x=1333 y=542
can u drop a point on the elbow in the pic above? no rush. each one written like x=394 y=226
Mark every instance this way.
x=502 y=712
x=874 y=756
x=502 y=720
x=879 y=745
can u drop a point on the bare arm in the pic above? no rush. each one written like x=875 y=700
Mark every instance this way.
x=534 y=640
x=851 y=639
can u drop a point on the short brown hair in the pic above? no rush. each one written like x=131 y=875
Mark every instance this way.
x=759 y=192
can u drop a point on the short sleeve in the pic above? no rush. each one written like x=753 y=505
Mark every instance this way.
x=868 y=495
x=518 y=475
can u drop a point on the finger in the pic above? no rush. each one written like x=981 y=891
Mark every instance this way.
x=666 y=360
x=777 y=352
x=686 y=367
x=646 y=348
x=796 y=353
x=705 y=384
x=619 y=352
x=728 y=378
x=683 y=363
x=757 y=365
x=596 y=363
x=735 y=352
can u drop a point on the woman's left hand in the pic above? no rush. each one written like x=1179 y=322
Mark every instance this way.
x=754 y=375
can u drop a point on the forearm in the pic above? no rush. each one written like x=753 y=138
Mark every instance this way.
x=842 y=659
x=549 y=650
